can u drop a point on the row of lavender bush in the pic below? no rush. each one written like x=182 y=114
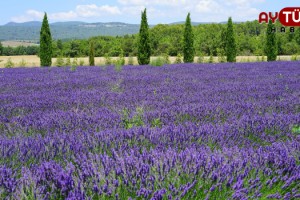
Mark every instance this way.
x=186 y=131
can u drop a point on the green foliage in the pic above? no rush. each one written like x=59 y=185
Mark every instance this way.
x=211 y=59
x=221 y=55
x=188 y=44
x=81 y=62
x=119 y=63
x=159 y=61
x=22 y=63
x=74 y=62
x=45 y=43
x=108 y=60
x=60 y=61
x=231 y=49
x=200 y=58
x=156 y=123
x=9 y=63
x=68 y=61
x=136 y=120
x=294 y=58
x=59 y=45
x=92 y=54
x=178 y=59
x=167 y=59
x=271 y=46
x=257 y=59
x=73 y=68
x=297 y=35
x=20 y=50
x=144 y=50
x=130 y=60
x=296 y=129
x=1 y=49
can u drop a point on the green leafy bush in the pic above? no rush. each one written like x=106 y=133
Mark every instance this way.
x=60 y=61
x=22 y=63
x=9 y=63
x=178 y=59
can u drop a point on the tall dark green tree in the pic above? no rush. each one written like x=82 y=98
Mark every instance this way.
x=1 y=49
x=92 y=54
x=45 y=43
x=297 y=35
x=271 y=46
x=230 y=45
x=144 y=49
x=188 y=48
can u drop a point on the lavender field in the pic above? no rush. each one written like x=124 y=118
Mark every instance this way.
x=187 y=131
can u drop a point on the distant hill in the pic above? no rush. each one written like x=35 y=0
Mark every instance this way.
x=30 y=31
x=25 y=24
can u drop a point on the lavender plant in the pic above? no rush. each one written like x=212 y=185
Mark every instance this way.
x=182 y=131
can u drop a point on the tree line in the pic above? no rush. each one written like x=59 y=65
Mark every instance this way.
x=208 y=39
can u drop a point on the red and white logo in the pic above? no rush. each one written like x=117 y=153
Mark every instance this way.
x=289 y=16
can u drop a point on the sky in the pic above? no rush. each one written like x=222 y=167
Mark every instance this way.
x=129 y=11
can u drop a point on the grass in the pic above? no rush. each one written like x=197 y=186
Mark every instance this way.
x=34 y=61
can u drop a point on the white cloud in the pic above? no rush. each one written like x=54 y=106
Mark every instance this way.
x=208 y=6
x=81 y=11
x=30 y=15
x=63 y=15
x=170 y=3
x=158 y=11
x=93 y=10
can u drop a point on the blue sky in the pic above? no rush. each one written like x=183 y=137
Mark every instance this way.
x=158 y=11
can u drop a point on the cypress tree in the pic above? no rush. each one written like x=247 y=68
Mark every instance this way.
x=1 y=49
x=144 y=50
x=45 y=43
x=230 y=45
x=297 y=35
x=271 y=46
x=92 y=54
x=188 y=48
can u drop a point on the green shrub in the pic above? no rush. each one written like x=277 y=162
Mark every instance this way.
x=221 y=55
x=60 y=61
x=108 y=60
x=178 y=59
x=119 y=63
x=22 y=63
x=294 y=58
x=81 y=62
x=200 y=58
x=167 y=59
x=9 y=63
x=211 y=59
x=74 y=62
x=130 y=60
x=257 y=59
x=159 y=61
x=68 y=61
